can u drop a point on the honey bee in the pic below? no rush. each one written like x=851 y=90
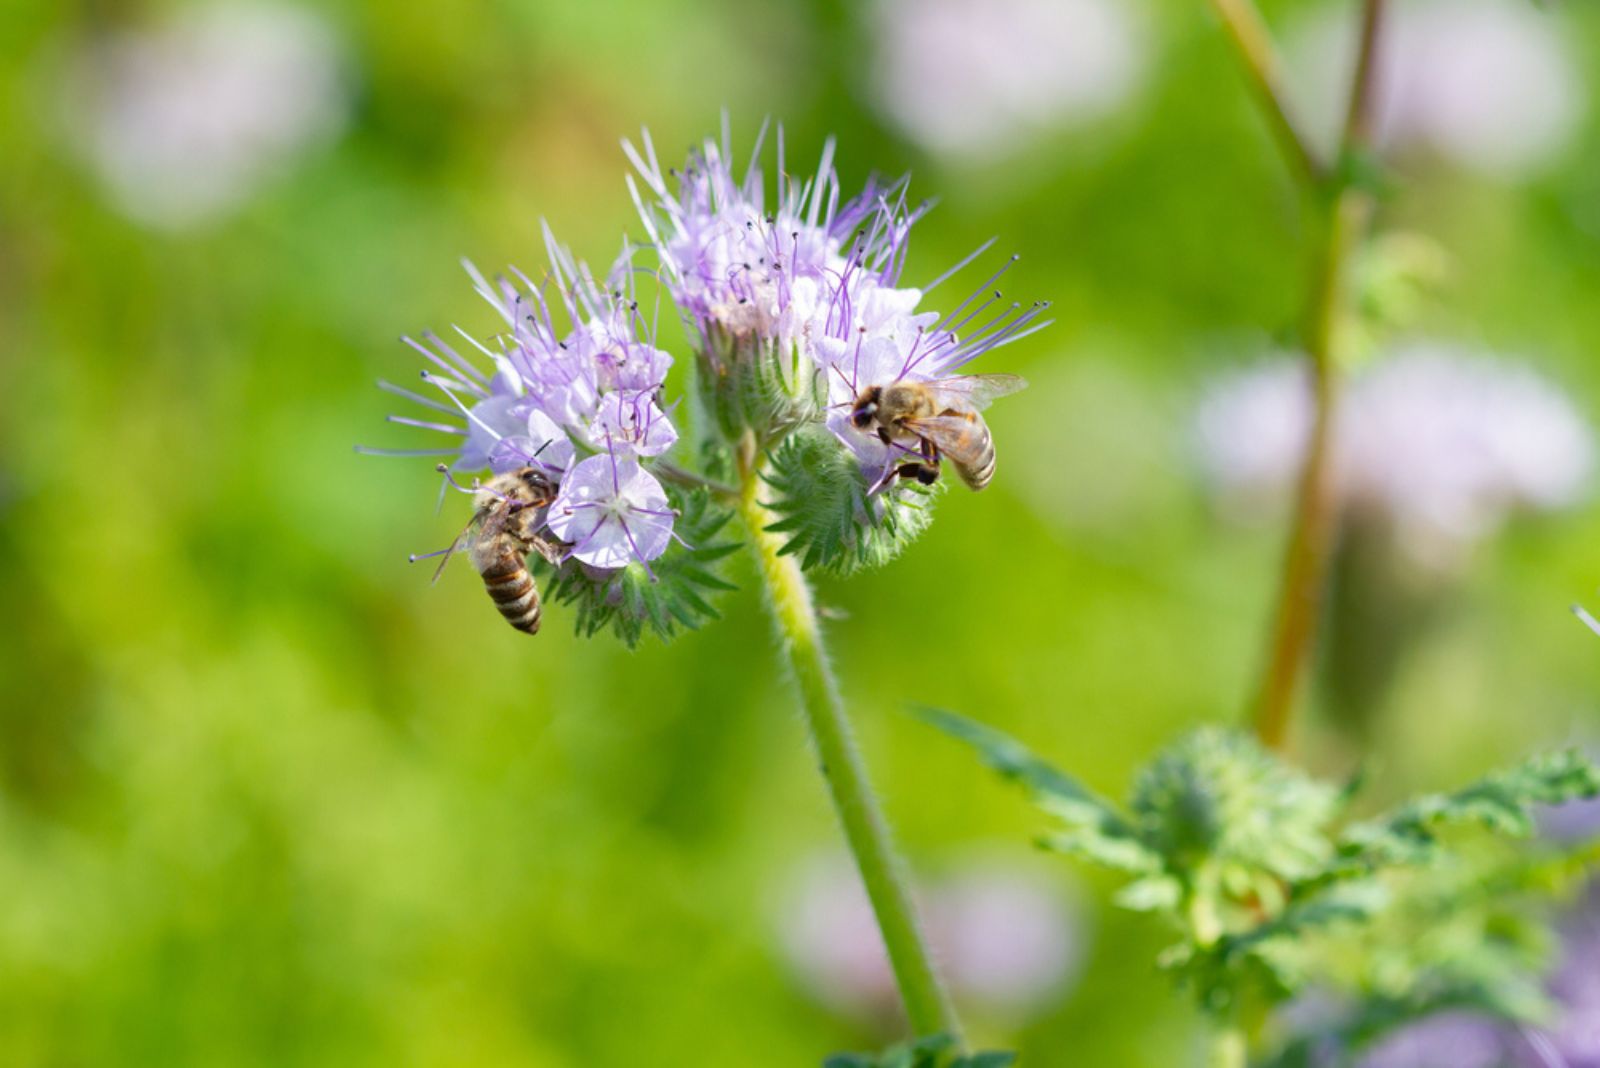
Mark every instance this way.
x=509 y=512
x=942 y=418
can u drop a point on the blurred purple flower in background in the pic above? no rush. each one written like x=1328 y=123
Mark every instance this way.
x=186 y=120
x=1006 y=935
x=1442 y=442
x=1574 y=1035
x=1570 y=1039
x=1488 y=84
x=976 y=77
x=1446 y=1040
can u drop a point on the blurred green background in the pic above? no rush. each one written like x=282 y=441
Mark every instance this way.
x=269 y=798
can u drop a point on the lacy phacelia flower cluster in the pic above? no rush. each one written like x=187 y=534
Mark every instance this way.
x=794 y=308
x=797 y=305
x=582 y=403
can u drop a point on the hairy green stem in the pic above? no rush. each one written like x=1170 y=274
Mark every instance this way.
x=788 y=595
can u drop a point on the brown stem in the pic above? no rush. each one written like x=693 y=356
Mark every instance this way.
x=1305 y=568
x=1364 y=85
x=1253 y=42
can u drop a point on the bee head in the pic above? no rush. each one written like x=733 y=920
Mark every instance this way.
x=537 y=483
x=866 y=407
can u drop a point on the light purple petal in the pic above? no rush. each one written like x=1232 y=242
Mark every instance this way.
x=613 y=512
x=633 y=420
x=491 y=419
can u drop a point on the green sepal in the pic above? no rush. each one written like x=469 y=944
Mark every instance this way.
x=816 y=489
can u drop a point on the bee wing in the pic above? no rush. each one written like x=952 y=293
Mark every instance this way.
x=468 y=535
x=960 y=437
x=974 y=392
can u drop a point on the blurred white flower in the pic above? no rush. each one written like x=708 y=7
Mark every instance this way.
x=1005 y=936
x=1489 y=84
x=1441 y=442
x=1250 y=433
x=969 y=77
x=184 y=121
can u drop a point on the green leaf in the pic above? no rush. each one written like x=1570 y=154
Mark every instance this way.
x=988 y=1059
x=931 y=1051
x=925 y=1052
x=1217 y=799
x=1095 y=829
x=1502 y=802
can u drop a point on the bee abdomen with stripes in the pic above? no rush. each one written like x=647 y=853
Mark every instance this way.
x=511 y=513
x=512 y=589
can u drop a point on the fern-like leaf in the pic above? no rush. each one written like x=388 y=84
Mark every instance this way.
x=1502 y=802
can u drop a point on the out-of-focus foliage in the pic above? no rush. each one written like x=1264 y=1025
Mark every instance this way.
x=269 y=798
x=1244 y=855
x=935 y=1051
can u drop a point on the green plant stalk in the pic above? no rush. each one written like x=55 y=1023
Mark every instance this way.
x=1305 y=567
x=1248 y=32
x=1230 y=1043
x=788 y=596
x=1229 y=1049
x=1344 y=214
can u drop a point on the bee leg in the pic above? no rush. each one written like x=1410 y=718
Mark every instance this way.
x=883 y=435
x=923 y=472
x=927 y=472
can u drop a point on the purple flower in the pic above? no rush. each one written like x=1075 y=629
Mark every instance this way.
x=732 y=263
x=631 y=419
x=581 y=401
x=1445 y=1040
x=808 y=285
x=612 y=511
x=1575 y=986
x=537 y=442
